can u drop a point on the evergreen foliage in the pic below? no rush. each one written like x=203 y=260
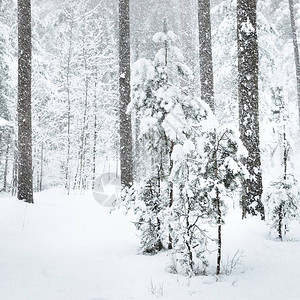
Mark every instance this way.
x=282 y=196
x=193 y=161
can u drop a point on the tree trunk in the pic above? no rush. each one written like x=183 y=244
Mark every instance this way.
x=41 y=167
x=6 y=166
x=67 y=175
x=296 y=51
x=280 y=219
x=248 y=102
x=205 y=51
x=218 y=205
x=95 y=130
x=14 y=181
x=171 y=192
x=124 y=94
x=25 y=189
x=219 y=254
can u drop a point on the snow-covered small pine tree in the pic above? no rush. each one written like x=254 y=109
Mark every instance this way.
x=156 y=95
x=282 y=203
x=193 y=161
x=282 y=196
x=191 y=207
x=223 y=172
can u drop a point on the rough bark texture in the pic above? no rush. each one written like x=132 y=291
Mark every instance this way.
x=24 y=102
x=205 y=51
x=296 y=51
x=248 y=103
x=124 y=91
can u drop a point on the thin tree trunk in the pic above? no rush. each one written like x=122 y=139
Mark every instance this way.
x=67 y=176
x=137 y=149
x=280 y=221
x=219 y=254
x=171 y=193
x=41 y=167
x=126 y=157
x=296 y=51
x=218 y=207
x=14 y=182
x=249 y=103
x=25 y=189
x=82 y=151
x=95 y=132
x=205 y=53
x=6 y=167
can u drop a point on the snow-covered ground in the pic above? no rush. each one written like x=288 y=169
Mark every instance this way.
x=70 y=247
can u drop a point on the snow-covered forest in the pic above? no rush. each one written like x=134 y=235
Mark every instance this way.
x=149 y=149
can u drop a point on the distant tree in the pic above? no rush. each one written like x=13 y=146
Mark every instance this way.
x=249 y=104
x=205 y=51
x=25 y=190
x=223 y=18
x=296 y=50
x=126 y=156
x=188 y=44
x=7 y=91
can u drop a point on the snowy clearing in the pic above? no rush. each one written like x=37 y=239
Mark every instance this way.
x=69 y=247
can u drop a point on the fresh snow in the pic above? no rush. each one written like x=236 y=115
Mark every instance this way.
x=70 y=247
x=3 y=122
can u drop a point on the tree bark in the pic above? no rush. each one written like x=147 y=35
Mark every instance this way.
x=126 y=157
x=249 y=102
x=205 y=53
x=296 y=51
x=25 y=189
x=67 y=175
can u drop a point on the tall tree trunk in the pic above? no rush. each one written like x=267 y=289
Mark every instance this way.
x=95 y=129
x=67 y=175
x=126 y=157
x=296 y=51
x=248 y=103
x=205 y=51
x=25 y=189
x=82 y=155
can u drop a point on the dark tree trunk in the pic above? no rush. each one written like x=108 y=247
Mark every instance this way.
x=248 y=103
x=205 y=51
x=219 y=254
x=171 y=192
x=25 y=190
x=124 y=94
x=296 y=51
x=280 y=219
